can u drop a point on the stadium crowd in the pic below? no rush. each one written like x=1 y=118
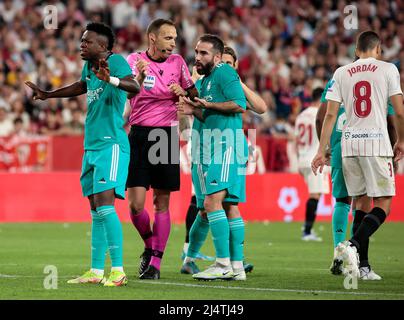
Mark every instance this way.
x=285 y=50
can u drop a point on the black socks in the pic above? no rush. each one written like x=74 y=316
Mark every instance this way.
x=311 y=208
x=190 y=218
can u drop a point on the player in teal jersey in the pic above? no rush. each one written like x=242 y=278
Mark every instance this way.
x=339 y=191
x=106 y=77
x=219 y=153
x=254 y=103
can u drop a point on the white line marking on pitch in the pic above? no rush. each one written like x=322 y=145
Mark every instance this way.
x=270 y=289
x=233 y=288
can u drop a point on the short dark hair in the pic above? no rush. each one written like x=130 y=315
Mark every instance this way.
x=230 y=51
x=18 y=120
x=317 y=93
x=216 y=42
x=155 y=25
x=367 y=40
x=104 y=30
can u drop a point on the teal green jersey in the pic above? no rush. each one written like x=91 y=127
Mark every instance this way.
x=335 y=140
x=105 y=107
x=222 y=85
x=390 y=109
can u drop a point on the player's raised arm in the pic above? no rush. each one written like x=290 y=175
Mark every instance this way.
x=232 y=90
x=75 y=89
x=127 y=83
x=255 y=102
x=225 y=107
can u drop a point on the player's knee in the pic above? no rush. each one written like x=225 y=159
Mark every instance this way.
x=105 y=198
x=233 y=212
x=161 y=203
x=210 y=205
x=136 y=207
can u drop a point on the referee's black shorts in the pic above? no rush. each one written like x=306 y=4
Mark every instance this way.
x=154 y=158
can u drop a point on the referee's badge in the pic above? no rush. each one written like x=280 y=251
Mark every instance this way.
x=149 y=82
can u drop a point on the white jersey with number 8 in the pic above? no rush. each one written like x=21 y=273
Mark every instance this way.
x=364 y=88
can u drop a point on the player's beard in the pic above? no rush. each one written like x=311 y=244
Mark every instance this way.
x=207 y=68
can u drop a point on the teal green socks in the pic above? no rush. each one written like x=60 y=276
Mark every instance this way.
x=219 y=227
x=113 y=232
x=340 y=222
x=98 y=242
x=236 y=239
x=197 y=235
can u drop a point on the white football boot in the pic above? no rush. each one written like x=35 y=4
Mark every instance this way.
x=215 y=272
x=366 y=273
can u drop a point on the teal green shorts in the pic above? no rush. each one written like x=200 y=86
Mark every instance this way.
x=226 y=175
x=339 y=189
x=104 y=170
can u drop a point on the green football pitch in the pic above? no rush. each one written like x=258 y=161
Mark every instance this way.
x=285 y=266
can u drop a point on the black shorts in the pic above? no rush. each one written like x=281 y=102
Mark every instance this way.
x=154 y=158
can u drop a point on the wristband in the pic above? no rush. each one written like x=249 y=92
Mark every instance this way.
x=114 y=81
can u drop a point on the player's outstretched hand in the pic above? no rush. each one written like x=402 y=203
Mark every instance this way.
x=201 y=103
x=177 y=90
x=398 y=151
x=191 y=102
x=37 y=92
x=319 y=161
x=103 y=70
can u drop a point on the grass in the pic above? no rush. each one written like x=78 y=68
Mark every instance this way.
x=285 y=267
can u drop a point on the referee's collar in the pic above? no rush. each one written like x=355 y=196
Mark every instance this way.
x=155 y=60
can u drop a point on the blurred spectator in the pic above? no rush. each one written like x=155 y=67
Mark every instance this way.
x=6 y=124
x=19 y=129
x=283 y=97
x=51 y=123
x=75 y=126
x=285 y=48
x=18 y=112
x=123 y=13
